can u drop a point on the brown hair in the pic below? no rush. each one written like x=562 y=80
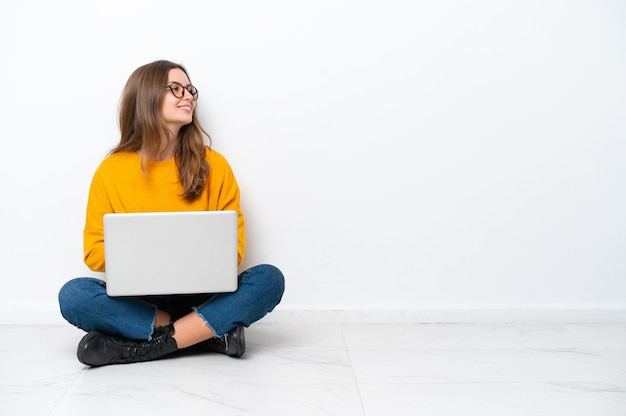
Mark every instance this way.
x=142 y=126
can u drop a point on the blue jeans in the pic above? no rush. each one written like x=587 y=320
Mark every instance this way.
x=84 y=303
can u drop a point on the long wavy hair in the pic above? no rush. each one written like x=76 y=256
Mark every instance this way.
x=142 y=127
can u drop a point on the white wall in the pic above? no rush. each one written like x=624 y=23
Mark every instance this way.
x=414 y=155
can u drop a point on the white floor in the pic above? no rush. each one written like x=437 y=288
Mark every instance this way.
x=355 y=369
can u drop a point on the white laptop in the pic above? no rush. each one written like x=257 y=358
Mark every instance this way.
x=170 y=253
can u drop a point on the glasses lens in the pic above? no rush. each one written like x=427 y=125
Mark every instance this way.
x=193 y=91
x=176 y=89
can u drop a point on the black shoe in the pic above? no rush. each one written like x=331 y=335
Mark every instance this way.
x=97 y=349
x=233 y=343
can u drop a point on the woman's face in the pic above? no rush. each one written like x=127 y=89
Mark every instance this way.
x=177 y=112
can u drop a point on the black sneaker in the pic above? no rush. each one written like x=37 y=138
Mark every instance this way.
x=233 y=343
x=97 y=349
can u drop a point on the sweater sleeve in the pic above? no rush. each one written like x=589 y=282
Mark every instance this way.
x=93 y=238
x=226 y=189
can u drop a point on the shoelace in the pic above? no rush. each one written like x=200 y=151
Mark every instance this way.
x=140 y=350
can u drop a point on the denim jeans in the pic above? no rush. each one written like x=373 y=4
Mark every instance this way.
x=84 y=303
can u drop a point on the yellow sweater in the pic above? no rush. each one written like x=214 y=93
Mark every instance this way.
x=119 y=185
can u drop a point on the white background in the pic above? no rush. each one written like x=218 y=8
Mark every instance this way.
x=392 y=155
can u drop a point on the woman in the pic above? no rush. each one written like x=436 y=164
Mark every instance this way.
x=162 y=164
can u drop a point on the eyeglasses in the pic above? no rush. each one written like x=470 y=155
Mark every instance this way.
x=178 y=90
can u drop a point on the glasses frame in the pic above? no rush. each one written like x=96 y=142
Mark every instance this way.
x=193 y=91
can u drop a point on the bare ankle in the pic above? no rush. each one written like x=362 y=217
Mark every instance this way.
x=162 y=319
